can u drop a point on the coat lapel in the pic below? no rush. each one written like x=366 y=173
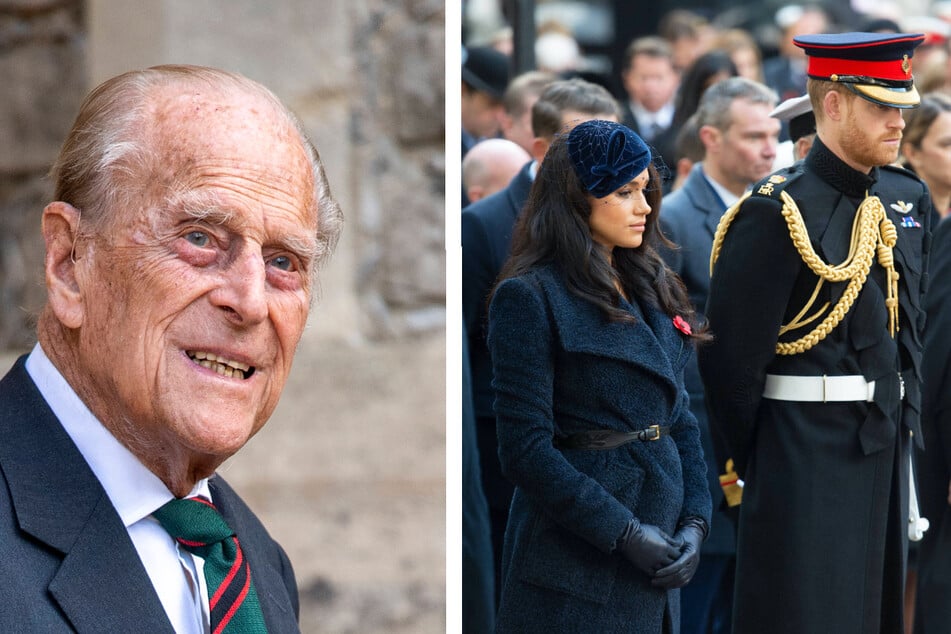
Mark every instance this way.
x=582 y=328
x=101 y=585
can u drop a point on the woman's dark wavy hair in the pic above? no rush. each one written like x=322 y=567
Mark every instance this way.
x=553 y=228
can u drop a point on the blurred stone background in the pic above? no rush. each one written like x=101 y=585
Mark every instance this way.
x=350 y=473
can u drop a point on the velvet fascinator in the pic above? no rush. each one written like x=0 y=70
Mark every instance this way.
x=606 y=155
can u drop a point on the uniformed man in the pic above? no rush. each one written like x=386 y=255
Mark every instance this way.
x=813 y=377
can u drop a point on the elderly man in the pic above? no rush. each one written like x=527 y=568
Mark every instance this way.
x=814 y=374
x=191 y=214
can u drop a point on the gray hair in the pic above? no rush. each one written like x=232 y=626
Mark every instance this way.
x=108 y=147
x=714 y=108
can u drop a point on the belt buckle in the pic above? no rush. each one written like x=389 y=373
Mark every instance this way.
x=653 y=432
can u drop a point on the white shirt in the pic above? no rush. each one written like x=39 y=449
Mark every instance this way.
x=725 y=194
x=135 y=492
x=647 y=120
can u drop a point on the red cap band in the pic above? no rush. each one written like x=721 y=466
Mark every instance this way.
x=891 y=70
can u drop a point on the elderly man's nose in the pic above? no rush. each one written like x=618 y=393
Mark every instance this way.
x=243 y=290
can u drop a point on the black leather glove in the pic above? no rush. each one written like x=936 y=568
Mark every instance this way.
x=647 y=547
x=692 y=532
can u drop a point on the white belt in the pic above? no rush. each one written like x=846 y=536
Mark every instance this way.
x=819 y=389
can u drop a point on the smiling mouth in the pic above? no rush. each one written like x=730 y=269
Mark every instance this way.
x=221 y=365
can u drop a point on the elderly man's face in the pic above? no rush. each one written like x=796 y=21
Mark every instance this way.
x=195 y=300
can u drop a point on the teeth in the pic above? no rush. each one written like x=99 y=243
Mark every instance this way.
x=221 y=365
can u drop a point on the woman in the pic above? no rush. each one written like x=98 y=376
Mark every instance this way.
x=589 y=332
x=926 y=147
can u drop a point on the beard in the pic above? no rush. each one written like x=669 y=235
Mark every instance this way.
x=864 y=150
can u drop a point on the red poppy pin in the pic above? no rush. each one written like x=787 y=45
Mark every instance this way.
x=681 y=324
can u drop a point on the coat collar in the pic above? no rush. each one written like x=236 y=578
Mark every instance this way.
x=101 y=584
x=651 y=343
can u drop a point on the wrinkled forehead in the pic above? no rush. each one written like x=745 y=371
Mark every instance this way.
x=207 y=129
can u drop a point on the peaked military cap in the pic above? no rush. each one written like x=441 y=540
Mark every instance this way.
x=875 y=66
x=797 y=111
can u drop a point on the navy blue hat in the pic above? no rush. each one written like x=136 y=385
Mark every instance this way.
x=875 y=66
x=486 y=70
x=606 y=155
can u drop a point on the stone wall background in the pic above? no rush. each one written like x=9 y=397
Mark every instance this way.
x=366 y=77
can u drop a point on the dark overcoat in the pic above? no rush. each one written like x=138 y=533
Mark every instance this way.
x=67 y=563
x=560 y=368
x=823 y=522
x=933 y=613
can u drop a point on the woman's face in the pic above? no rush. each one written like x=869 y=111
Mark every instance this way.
x=932 y=160
x=620 y=218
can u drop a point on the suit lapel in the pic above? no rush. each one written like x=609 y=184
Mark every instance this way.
x=704 y=199
x=101 y=585
x=276 y=605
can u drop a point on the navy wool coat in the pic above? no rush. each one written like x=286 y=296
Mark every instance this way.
x=561 y=367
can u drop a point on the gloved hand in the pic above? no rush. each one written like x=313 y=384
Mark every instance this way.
x=690 y=535
x=647 y=547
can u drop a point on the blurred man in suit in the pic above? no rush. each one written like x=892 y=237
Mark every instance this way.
x=650 y=81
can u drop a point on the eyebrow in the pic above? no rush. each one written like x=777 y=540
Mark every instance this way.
x=207 y=206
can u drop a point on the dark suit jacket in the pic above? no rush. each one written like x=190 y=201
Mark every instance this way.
x=689 y=218
x=66 y=560
x=562 y=368
x=486 y=238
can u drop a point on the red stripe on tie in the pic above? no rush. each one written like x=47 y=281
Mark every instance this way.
x=204 y=501
x=237 y=603
x=235 y=567
x=185 y=542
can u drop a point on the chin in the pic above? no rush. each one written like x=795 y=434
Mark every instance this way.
x=217 y=436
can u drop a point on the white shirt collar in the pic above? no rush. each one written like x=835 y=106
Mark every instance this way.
x=662 y=117
x=134 y=491
x=725 y=194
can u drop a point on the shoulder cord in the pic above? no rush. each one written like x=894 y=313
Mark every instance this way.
x=872 y=232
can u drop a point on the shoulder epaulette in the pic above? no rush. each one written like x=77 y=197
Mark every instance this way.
x=774 y=184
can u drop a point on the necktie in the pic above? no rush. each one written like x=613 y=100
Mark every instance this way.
x=232 y=601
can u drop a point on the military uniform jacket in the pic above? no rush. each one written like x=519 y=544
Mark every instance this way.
x=822 y=523
x=561 y=367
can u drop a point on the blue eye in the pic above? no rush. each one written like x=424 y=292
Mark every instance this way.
x=198 y=238
x=283 y=263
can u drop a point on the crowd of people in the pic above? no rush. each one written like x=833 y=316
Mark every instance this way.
x=703 y=334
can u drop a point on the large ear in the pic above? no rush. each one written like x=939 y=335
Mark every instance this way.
x=709 y=136
x=60 y=232
x=834 y=103
x=540 y=148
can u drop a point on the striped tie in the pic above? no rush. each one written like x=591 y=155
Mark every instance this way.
x=233 y=603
